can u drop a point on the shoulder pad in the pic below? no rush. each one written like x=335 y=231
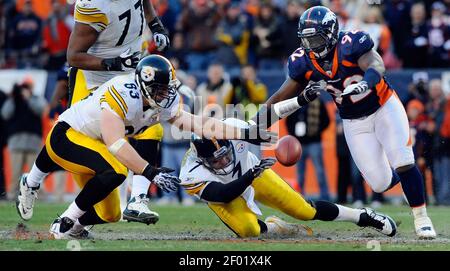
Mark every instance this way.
x=297 y=65
x=354 y=44
x=93 y=12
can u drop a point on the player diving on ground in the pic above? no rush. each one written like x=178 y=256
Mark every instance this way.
x=229 y=178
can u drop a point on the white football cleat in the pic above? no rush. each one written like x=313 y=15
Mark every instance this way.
x=60 y=227
x=424 y=228
x=137 y=210
x=63 y=228
x=26 y=198
x=282 y=227
x=377 y=221
x=82 y=233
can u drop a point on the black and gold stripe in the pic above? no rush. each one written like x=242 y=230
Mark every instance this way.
x=91 y=16
x=115 y=101
x=193 y=189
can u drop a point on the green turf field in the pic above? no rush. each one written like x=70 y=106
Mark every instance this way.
x=197 y=228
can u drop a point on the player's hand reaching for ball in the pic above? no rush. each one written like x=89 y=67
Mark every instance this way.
x=310 y=93
x=264 y=164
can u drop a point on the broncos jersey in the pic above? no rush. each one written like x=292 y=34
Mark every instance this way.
x=122 y=96
x=344 y=70
x=120 y=24
x=194 y=176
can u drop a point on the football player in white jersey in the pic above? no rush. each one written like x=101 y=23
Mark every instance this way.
x=106 y=42
x=89 y=139
x=226 y=175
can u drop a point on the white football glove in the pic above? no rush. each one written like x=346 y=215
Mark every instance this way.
x=161 y=41
x=166 y=182
x=161 y=177
x=354 y=89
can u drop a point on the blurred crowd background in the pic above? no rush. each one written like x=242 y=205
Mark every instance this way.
x=232 y=52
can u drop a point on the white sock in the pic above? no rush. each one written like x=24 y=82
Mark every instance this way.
x=348 y=214
x=73 y=212
x=35 y=177
x=123 y=190
x=420 y=212
x=140 y=185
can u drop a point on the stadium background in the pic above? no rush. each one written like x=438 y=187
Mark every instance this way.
x=399 y=76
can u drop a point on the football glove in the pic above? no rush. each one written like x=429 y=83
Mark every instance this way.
x=126 y=60
x=161 y=178
x=355 y=89
x=263 y=165
x=310 y=93
x=160 y=35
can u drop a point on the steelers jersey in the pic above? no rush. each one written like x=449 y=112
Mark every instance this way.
x=120 y=24
x=121 y=96
x=195 y=176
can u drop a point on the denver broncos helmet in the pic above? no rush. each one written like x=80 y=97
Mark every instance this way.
x=318 y=31
x=156 y=78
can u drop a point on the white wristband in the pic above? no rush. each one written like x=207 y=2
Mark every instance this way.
x=286 y=107
x=115 y=147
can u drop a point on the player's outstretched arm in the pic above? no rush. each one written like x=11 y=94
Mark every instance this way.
x=113 y=133
x=211 y=127
x=289 y=89
x=220 y=192
x=285 y=101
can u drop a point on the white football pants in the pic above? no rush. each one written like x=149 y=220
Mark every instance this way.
x=379 y=142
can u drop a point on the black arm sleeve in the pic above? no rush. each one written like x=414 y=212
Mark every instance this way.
x=219 y=192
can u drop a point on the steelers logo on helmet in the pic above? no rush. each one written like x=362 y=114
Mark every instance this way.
x=147 y=74
x=153 y=74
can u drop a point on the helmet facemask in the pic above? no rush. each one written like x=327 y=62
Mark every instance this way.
x=318 y=34
x=158 y=95
x=222 y=163
x=320 y=43
x=221 y=160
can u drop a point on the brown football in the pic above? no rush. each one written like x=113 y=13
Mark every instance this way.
x=288 y=151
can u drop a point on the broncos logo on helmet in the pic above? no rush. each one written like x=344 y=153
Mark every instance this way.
x=318 y=30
